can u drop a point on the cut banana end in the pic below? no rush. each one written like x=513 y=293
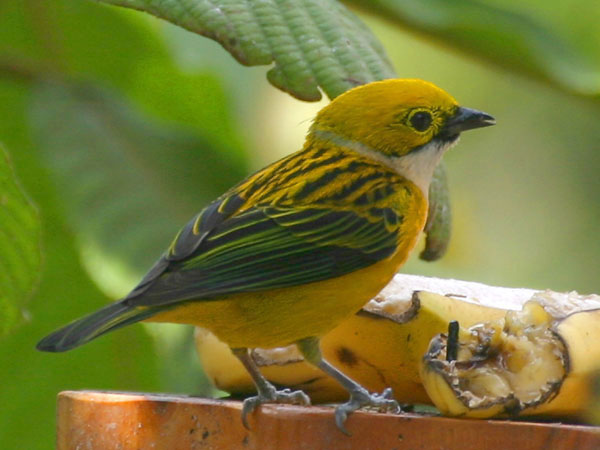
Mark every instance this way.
x=527 y=363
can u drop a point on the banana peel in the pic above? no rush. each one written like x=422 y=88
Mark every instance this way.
x=540 y=361
x=384 y=344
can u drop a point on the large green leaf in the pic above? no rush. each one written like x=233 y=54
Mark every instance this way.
x=31 y=379
x=544 y=39
x=42 y=39
x=20 y=256
x=132 y=58
x=312 y=43
x=128 y=181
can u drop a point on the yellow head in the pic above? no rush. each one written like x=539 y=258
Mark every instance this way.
x=406 y=124
x=392 y=116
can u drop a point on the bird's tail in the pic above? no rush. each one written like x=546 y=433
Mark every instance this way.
x=111 y=317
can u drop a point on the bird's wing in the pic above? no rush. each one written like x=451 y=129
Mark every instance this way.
x=264 y=248
x=189 y=239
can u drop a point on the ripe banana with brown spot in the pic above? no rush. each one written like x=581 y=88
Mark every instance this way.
x=383 y=345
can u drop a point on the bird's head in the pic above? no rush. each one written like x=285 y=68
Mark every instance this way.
x=404 y=123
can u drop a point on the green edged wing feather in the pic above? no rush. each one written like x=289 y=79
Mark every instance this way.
x=221 y=253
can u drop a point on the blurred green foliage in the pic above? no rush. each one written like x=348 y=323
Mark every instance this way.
x=127 y=180
x=543 y=39
x=20 y=254
x=121 y=126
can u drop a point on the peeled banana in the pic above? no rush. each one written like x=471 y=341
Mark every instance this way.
x=383 y=345
x=527 y=363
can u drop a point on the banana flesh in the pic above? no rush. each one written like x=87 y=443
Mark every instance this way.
x=527 y=363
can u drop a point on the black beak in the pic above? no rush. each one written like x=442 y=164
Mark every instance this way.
x=466 y=119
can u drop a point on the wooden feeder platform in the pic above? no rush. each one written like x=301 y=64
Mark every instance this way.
x=110 y=420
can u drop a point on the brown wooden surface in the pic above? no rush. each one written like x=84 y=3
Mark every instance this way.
x=109 y=420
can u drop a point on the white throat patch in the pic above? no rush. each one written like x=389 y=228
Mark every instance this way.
x=417 y=166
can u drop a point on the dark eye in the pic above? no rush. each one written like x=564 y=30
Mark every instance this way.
x=421 y=120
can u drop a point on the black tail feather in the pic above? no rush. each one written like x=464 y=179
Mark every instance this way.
x=111 y=317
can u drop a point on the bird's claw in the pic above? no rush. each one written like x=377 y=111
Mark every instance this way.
x=286 y=396
x=383 y=402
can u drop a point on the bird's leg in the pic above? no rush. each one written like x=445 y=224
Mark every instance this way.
x=266 y=391
x=359 y=396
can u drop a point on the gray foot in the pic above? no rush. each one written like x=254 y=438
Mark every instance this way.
x=286 y=396
x=383 y=402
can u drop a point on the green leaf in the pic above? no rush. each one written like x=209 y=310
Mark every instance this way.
x=539 y=38
x=20 y=255
x=31 y=379
x=312 y=43
x=439 y=218
x=133 y=59
x=128 y=181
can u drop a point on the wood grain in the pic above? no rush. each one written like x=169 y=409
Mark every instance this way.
x=110 y=420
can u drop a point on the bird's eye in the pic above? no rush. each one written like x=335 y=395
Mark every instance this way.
x=421 y=120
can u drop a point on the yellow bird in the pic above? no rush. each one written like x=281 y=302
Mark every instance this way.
x=292 y=250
